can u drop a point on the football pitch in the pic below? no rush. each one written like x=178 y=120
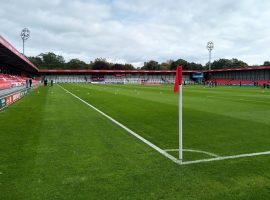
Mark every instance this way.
x=57 y=144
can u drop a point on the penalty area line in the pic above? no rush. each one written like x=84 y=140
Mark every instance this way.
x=164 y=153
x=226 y=157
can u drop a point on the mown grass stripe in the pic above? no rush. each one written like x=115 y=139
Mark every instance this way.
x=164 y=153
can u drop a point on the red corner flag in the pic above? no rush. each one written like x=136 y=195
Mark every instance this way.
x=178 y=79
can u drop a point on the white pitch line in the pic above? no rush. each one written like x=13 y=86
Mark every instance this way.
x=193 y=150
x=164 y=153
x=226 y=157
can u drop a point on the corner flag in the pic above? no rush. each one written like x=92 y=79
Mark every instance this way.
x=178 y=79
x=177 y=83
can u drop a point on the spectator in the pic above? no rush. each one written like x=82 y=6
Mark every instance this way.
x=30 y=82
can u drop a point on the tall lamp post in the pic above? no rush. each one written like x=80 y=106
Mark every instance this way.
x=210 y=47
x=25 y=34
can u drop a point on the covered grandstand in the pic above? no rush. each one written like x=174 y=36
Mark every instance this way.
x=258 y=75
x=239 y=76
x=16 y=73
x=113 y=76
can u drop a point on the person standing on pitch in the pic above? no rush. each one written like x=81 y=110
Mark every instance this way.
x=51 y=82
x=30 y=82
x=26 y=83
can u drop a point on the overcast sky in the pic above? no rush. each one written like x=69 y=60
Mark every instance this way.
x=134 y=31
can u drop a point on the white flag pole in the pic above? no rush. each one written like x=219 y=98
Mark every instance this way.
x=180 y=124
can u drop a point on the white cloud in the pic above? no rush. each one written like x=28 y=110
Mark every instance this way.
x=135 y=31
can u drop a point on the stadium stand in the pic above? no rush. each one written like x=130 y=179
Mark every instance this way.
x=222 y=81
x=247 y=76
x=4 y=85
x=10 y=81
x=13 y=81
x=137 y=77
x=67 y=78
x=227 y=81
x=241 y=82
x=261 y=82
x=15 y=70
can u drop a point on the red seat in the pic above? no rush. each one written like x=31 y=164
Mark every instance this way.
x=4 y=85
x=261 y=82
x=243 y=82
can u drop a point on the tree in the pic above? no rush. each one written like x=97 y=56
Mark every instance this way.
x=76 y=64
x=238 y=63
x=151 y=65
x=194 y=66
x=220 y=64
x=52 y=61
x=36 y=61
x=164 y=66
x=48 y=61
x=266 y=63
x=178 y=62
x=117 y=66
x=100 y=63
x=129 y=67
x=227 y=64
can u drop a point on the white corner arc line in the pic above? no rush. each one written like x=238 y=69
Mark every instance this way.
x=164 y=153
x=193 y=150
x=226 y=157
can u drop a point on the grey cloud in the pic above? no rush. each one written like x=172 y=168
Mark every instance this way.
x=140 y=30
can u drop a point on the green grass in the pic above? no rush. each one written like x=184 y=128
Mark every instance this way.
x=55 y=147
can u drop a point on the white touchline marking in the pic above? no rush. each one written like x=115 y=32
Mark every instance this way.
x=193 y=150
x=226 y=157
x=164 y=153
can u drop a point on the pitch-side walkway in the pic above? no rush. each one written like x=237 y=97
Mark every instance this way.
x=11 y=90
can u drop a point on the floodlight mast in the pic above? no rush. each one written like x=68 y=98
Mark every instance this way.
x=210 y=47
x=25 y=34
